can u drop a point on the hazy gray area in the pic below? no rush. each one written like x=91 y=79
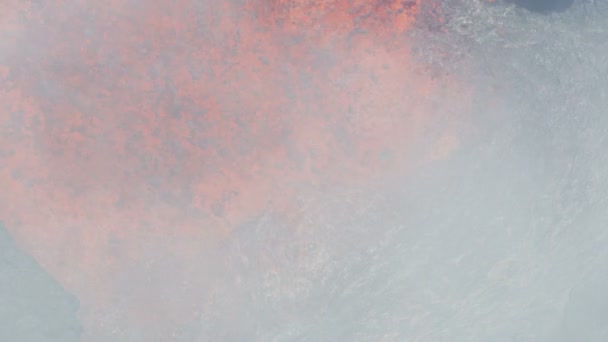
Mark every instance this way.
x=33 y=307
x=503 y=241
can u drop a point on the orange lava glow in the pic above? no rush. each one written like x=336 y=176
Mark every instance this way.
x=126 y=121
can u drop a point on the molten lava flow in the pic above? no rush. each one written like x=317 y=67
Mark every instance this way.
x=130 y=124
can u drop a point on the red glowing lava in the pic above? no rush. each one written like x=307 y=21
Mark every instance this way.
x=127 y=121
